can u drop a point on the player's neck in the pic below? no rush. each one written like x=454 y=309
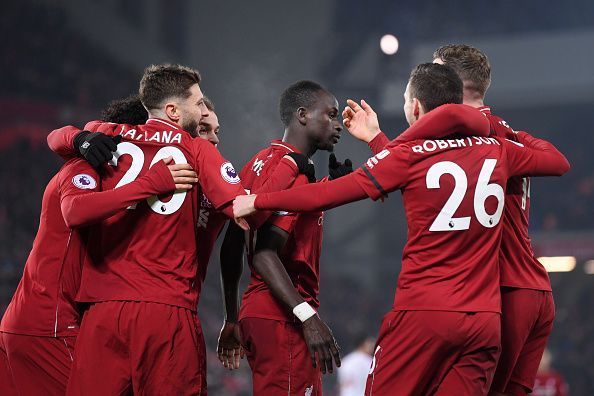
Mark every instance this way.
x=300 y=141
x=474 y=101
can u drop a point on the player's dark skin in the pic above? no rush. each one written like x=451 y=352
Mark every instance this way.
x=312 y=129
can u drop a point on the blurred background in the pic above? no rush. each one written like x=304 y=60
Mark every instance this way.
x=62 y=61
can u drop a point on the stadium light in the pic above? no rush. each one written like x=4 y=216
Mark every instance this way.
x=589 y=267
x=558 y=263
x=389 y=44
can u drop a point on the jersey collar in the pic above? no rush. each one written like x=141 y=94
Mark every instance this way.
x=279 y=144
x=485 y=110
x=153 y=121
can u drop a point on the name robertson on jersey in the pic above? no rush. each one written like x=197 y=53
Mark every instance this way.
x=157 y=136
x=470 y=141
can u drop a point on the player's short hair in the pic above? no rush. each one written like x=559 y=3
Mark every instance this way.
x=300 y=94
x=125 y=111
x=471 y=64
x=434 y=85
x=208 y=103
x=161 y=82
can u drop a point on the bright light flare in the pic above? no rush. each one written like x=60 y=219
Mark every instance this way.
x=558 y=263
x=389 y=44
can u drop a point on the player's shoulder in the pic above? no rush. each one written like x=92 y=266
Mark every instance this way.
x=79 y=172
x=499 y=127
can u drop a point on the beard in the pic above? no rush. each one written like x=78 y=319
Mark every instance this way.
x=191 y=127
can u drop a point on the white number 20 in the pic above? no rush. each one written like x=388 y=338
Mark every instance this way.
x=132 y=173
x=445 y=220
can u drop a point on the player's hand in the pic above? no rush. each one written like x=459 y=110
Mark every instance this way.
x=361 y=121
x=229 y=347
x=304 y=165
x=183 y=175
x=243 y=205
x=97 y=148
x=338 y=169
x=321 y=344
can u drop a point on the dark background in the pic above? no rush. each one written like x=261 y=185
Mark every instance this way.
x=62 y=61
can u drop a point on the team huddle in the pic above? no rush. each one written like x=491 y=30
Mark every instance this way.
x=107 y=304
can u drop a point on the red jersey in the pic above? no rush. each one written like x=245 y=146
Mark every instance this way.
x=518 y=266
x=148 y=252
x=43 y=303
x=550 y=383
x=301 y=253
x=453 y=192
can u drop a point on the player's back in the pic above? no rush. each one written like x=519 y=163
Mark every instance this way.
x=148 y=252
x=453 y=192
x=518 y=265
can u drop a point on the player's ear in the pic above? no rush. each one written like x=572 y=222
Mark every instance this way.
x=301 y=115
x=417 y=108
x=172 y=111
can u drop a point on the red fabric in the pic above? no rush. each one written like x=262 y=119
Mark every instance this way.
x=518 y=265
x=445 y=120
x=301 y=253
x=279 y=358
x=144 y=349
x=130 y=256
x=39 y=365
x=526 y=323
x=550 y=383
x=435 y=353
x=84 y=209
x=7 y=387
x=441 y=269
x=43 y=304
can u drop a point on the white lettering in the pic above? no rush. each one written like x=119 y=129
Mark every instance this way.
x=441 y=144
x=426 y=146
x=417 y=149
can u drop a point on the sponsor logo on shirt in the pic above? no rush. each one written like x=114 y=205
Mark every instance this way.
x=229 y=174
x=371 y=162
x=257 y=166
x=84 y=182
x=308 y=391
x=204 y=201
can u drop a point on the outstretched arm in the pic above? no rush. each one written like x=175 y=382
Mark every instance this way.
x=534 y=157
x=83 y=206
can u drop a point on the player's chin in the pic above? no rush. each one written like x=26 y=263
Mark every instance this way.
x=328 y=146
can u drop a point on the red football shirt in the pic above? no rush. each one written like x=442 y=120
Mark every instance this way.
x=518 y=266
x=43 y=303
x=453 y=192
x=550 y=383
x=148 y=252
x=301 y=253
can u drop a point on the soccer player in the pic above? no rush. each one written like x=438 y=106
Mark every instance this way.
x=527 y=303
x=283 y=337
x=141 y=332
x=39 y=329
x=352 y=373
x=443 y=333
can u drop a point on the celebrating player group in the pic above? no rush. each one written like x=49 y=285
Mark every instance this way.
x=107 y=304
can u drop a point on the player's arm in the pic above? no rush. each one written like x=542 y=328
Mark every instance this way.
x=229 y=349
x=531 y=156
x=95 y=142
x=82 y=205
x=320 y=341
x=387 y=174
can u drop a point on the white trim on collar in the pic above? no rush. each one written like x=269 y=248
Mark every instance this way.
x=282 y=145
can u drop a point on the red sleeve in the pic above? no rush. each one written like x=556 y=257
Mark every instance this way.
x=314 y=196
x=61 y=141
x=378 y=143
x=534 y=157
x=283 y=177
x=446 y=120
x=385 y=172
x=217 y=176
x=82 y=203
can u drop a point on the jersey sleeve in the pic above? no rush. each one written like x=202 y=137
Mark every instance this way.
x=217 y=176
x=61 y=141
x=446 y=120
x=83 y=203
x=285 y=220
x=534 y=157
x=313 y=196
x=383 y=173
x=378 y=143
x=283 y=177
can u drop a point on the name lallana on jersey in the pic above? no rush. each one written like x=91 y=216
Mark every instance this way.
x=150 y=136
